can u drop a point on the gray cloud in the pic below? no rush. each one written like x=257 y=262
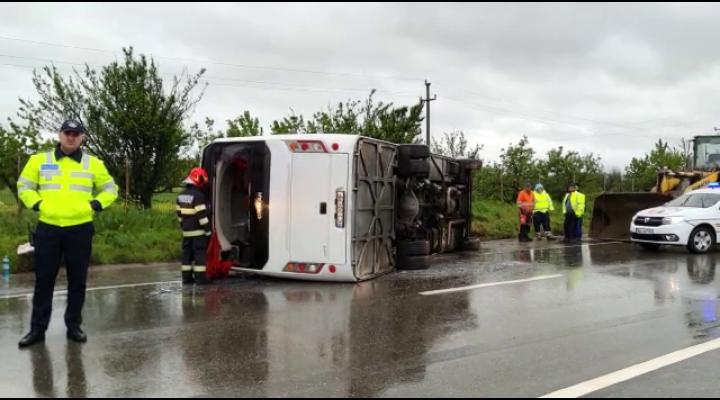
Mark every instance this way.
x=602 y=78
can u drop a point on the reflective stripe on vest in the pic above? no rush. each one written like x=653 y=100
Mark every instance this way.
x=29 y=185
x=85 y=162
x=50 y=186
x=186 y=211
x=81 y=188
x=108 y=187
x=199 y=232
x=88 y=175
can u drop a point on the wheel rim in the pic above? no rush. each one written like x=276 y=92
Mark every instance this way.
x=702 y=240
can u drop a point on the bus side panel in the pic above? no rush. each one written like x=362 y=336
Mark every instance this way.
x=374 y=208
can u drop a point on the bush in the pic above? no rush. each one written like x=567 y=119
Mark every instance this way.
x=140 y=236
x=494 y=219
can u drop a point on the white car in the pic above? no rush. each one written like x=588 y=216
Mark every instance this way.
x=691 y=220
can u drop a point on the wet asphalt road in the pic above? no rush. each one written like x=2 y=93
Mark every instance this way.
x=602 y=307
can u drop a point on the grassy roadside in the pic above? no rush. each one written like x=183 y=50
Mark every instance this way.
x=153 y=235
x=138 y=237
x=493 y=219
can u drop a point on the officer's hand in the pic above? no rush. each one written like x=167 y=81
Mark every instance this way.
x=96 y=206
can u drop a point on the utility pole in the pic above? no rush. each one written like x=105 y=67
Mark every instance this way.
x=427 y=101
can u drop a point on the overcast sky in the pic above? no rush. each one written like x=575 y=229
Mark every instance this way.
x=609 y=78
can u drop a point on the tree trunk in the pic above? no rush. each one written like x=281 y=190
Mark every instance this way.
x=146 y=200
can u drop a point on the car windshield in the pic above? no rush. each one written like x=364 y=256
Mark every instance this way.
x=696 y=200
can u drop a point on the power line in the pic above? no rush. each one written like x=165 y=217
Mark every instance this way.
x=577 y=117
x=563 y=115
x=226 y=64
x=55 y=44
x=520 y=115
x=282 y=86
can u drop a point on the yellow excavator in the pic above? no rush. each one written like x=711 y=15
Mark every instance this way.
x=612 y=212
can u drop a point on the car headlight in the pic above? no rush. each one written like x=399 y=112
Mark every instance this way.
x=672 y=220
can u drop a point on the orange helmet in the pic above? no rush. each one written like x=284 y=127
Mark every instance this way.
x=197 y=177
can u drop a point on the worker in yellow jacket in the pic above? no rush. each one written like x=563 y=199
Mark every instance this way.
x=574 y=209
x=541 y=213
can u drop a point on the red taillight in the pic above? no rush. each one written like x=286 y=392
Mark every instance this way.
x=303 y=268
x=332 y=269
x=335 y=146
x=306 y=146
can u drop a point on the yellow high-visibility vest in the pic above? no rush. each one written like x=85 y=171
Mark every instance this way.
x=543 y=203
x=577 y=202
x=66 y=187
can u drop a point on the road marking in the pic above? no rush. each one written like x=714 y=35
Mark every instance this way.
x=634 y=371
x=63 y=292
x=549 y=247
x=484 y=285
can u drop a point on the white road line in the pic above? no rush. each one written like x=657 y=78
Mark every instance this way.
x=484 y=285
x=62 y=292
x=549 y=247
x=634 y=371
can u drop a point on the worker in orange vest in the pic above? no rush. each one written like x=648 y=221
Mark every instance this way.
x=526 y=204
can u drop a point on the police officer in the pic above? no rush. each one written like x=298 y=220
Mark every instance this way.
x=574 y=209
x=59 y=184
x=195 y=225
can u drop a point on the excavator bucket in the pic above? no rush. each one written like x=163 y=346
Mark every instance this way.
x=612 y=213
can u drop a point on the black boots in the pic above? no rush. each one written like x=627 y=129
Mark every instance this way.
x=31 y=338
x=76 y=335
x=189 y=277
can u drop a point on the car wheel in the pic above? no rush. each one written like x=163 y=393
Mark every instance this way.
x=701 y=240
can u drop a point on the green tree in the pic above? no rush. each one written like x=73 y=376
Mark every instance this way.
x=17 y=144
x=130 y=113
x=518 y=165
x=384 y=121
x=345 y=118
x=489 y=183
x=614 y=181
x=642 y=172
x=200 y=137
x=562 y=167
x=379 y=120
x=243 y=126
x=454 y=145
x=289 y=125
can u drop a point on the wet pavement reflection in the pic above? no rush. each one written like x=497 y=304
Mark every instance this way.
x=613 y=305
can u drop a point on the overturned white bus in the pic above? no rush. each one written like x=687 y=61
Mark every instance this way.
x=336 y=207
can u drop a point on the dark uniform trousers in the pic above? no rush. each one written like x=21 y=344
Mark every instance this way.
x=571 y=226
x=194 y=249
x=73 y=244
x=541 y=220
